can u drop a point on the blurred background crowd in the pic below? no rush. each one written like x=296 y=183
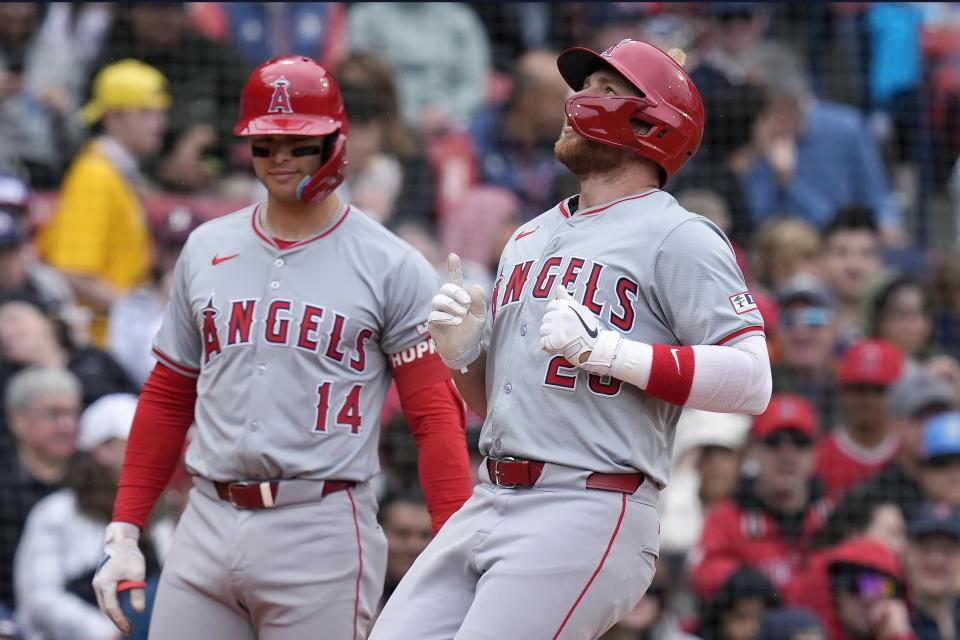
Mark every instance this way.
x=829 y=158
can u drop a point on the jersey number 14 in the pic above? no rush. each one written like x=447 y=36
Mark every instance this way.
x=347 y=416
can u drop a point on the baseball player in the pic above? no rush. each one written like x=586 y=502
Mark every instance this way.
x=611 y=312
x=286 y=323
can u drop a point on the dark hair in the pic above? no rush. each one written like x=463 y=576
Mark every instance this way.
x=94 y=485
x=853 y=218
x=878 y=302
x=408 y=496
x=745 y=582
x=370 y=94
x=730 y=112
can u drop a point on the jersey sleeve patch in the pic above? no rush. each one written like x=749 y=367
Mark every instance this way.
x=743 y=303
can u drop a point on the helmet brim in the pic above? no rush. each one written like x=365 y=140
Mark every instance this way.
x=577 y=63
x=287 y=125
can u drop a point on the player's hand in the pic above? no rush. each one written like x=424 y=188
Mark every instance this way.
x=570 y=329
x=456 y=318
x=122 y=567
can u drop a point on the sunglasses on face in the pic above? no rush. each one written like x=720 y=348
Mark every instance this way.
x=784 y=436
x=297 y=152
x=868 y=585
x=874 y=389
x=943 y=462
x=808 y=317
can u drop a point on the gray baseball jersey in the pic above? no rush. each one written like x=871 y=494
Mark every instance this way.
x=292 y=347
x=647 y=268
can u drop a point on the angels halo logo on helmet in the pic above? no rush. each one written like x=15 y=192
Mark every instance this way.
x=296 y=96
x=669 y=110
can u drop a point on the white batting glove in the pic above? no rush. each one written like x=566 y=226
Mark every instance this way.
x=122 y=567
x=570 y=329
x=456 y=318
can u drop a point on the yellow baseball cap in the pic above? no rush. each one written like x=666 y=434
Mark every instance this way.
x=127 y=84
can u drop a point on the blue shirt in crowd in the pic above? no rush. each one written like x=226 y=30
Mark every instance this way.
x=837 y=165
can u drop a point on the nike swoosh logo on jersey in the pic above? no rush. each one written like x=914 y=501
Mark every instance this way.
x=218 y=259
x=675 y=358
x=593 y=333
x=524 y=234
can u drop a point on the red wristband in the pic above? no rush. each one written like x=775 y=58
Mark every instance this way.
x=671 y=373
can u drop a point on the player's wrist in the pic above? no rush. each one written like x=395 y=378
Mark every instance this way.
x=118 y=531
x=463 y=359
x=603 y=353
x=633 y=363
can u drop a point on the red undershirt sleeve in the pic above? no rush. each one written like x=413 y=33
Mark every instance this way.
x=437 y=418
x=164 y=415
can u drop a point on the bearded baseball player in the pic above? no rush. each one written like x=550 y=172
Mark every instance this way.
x=287 y=321
x=612 y=311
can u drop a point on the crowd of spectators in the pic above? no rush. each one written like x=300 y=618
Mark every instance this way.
x=829 y=159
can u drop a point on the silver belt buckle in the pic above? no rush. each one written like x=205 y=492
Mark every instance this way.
x=496 y=471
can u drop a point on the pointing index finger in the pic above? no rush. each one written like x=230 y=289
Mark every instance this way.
x=453 y=269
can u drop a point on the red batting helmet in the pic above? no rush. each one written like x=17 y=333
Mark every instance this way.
x=295 y=96
x=669 y=103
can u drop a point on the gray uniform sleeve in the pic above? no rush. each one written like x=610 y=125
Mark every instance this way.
x=698 y=286
x=408 y=290
x=178 y=341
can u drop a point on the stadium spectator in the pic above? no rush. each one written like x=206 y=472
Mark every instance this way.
x=932 y=565
x=707 y=455
x=439 y=54
x=899 y=311
x=865 y=441
x=770 y=522
x=15 y=195
x=734 y=613
x=725 y=153
x=22 y=277
x=135 y=318
x=790 y=624
x=940 y=458
x=406 y=523
x=62 y=540
x=813 y=156
x=42 y=407
x=480 y=225
x=98 y=235
x=264 y=30
x=916 y=397
x=896 y=74
x=784 y=248
x=514 y=141
x=205 y=79
x=388 y=176
x=858 y=592
x=517 y=27
x=28 y=338
x=44 y=61
x=945 y=283
x=851 y=261
x=732 y=32
x=806 y=339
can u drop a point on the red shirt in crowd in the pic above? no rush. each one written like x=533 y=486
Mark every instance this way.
x=840 y=462
x=742 y=531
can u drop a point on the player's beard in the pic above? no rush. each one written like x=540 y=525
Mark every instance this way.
x=585 y=157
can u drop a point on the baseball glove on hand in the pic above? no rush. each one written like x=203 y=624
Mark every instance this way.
x=573 y=331
x=122 y=567
x=456 y=318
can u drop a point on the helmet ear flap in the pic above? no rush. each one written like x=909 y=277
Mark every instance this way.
x=327 y=146
x=328 y=177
